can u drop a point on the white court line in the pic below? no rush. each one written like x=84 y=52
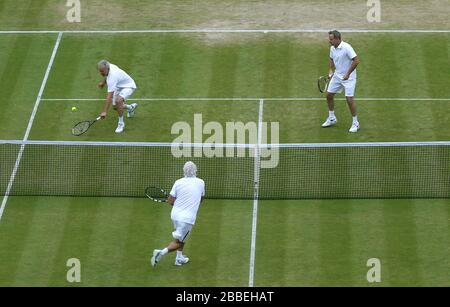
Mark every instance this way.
x=256 y=194
x=225 y=31
x=222 y=145
x=30 y=124
x=250 y=99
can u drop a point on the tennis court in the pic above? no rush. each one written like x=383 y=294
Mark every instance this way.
x=402 y=96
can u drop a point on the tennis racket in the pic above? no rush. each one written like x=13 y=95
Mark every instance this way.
x=83 y=126
x=156 y=194
x=322 y=83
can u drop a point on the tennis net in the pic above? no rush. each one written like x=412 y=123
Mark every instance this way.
x=304 y=171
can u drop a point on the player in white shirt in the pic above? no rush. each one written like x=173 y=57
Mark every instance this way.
x=186 y=195
x=120 y=87
x=343 y=60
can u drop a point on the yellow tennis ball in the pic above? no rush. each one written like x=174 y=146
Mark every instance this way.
x=74 y=109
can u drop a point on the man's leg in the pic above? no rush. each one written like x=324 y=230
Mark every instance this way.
x=181 y=233
x=119 y=108
x=350 y=86
x=119 y=105
x=330 y=101
x=125 y=94
x=180 y=249
x=331 y=120
x=175 y=245
x=352 y=106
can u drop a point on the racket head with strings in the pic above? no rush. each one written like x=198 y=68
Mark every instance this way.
x=156 y=194
x=83 y=126
x=322 y=83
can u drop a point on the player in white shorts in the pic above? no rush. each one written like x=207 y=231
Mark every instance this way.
x=343 y=60
x=120 y=87
x=186 y=195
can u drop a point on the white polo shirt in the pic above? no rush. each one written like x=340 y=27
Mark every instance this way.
x=342 y=57
x=188 y=192
x=118 y=79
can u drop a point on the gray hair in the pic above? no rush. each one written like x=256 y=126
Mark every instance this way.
x=103 y=64
x=190 y=169
x=335 y=33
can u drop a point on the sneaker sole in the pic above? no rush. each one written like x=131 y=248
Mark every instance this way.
x=328 y=125
x=180 y=264
x=153 y=261
x=123 y=128
x=129 y=115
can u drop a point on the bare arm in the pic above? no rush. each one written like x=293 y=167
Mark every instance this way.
x=171 y=200
x=108 y=102
x=102 y=83
x=355 y=62
x=332 y=68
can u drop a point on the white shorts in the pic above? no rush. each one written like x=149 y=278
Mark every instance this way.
x=122 y=92
x=337 y=85
x=182 y=230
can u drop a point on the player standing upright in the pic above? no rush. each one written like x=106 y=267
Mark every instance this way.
x=343 y=61
x=120 y=87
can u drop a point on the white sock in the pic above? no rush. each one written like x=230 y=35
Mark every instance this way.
x=127 y=106
x=331 y=114
x=179 y=254
x=120 y=119
x=355 y=119
x=164 y=251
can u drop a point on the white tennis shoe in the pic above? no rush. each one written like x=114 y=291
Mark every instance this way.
x=120 y=127
x=156 y=257
x=181 y=260
x=354 y=128
x=130 y=113
x=329 y=122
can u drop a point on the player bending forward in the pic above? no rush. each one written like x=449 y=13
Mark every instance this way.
x=186 y=195
x=120 y=87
